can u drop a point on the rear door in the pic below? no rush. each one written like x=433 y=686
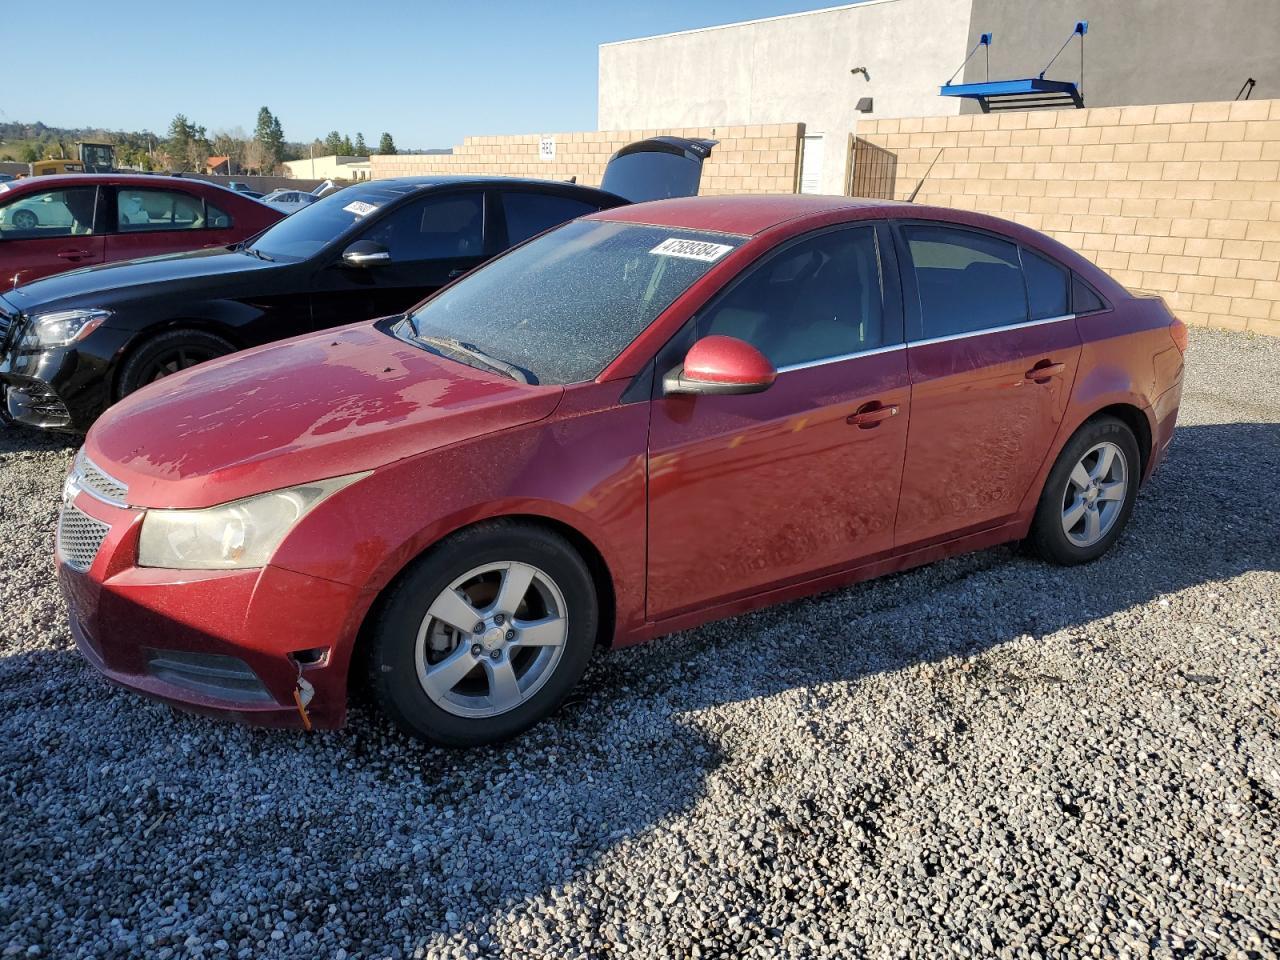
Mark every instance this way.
x=993 y=350
x=148 y=221
x=432 y=240
x=657 y=169
x=751 y=492
x=48 y=231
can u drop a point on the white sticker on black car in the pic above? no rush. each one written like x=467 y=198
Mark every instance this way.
x=360 y=208
x=691 y=249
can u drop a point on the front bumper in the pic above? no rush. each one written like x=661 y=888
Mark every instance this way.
x=213 y=642
x=58 y=388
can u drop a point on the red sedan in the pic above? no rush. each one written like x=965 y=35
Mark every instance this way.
x=52 y=224
x=648 y=418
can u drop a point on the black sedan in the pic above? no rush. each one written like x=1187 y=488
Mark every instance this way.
x=73 y=344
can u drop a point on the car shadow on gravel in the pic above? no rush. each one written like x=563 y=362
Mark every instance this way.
x=17 y=439
x=146 y=823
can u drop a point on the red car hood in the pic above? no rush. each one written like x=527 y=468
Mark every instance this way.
x=322 y=405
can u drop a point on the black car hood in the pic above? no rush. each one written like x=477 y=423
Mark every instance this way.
x=112 y=281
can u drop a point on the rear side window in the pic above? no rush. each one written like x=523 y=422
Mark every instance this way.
x=966 y=281
x=147 y=210
x=818 y=299
x=1047 y=286
x=1083 y=297
x=218 y=219
x=528 y=214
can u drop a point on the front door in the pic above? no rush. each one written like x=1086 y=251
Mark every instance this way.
x=751 y=492
x=48 y=232
x=993 y=354
x=431 y=241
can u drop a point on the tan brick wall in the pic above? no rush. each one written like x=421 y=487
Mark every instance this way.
x=1181 y=198
x=760 y=158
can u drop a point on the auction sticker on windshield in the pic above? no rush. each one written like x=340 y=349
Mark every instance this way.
x=360 y=208
x=691 y=249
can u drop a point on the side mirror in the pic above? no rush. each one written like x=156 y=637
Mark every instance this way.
x=719 y=365
x=365 y=253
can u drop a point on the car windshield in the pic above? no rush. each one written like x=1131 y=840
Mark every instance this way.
x=315 y=226
x=561 y=307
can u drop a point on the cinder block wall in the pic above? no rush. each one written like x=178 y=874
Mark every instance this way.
x=757 y=158
x=1182 y=199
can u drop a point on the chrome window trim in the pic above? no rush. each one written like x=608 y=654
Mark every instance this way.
x=844 y=356
x=1025 y=324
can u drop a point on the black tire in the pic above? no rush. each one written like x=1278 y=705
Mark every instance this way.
x=392 y=655
x=25 y=220
x=168 y=353
x=1048 y=537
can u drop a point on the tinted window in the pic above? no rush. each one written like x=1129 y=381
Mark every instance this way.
x=564 y=305
x=967 y=281
x=49 y=213
x=316 y=225
x=528 y=214
x=218 y=219
x=1047 y=291
x=1083 y=297
x=652 y=175
x=144 y=210
x=817 y=299
x=436 y=228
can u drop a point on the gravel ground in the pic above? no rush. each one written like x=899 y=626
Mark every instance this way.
x=986 y=757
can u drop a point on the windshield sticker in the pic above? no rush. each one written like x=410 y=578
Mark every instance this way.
x=691 y=249
x=360 y=208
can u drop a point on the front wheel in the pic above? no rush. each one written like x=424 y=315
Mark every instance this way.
x=168 y=353
x=484 y=636
x=1089 y=495
x=25 y=220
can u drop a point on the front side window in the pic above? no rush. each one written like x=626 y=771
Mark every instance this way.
x=316 y=225
x=141 y=211
x=966 y=281
x=817 y=299
x=564 y=305
x=434 y=228
x=528 y=214
x=49 y=213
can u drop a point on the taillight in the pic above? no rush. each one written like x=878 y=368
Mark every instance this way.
x=1178 y=330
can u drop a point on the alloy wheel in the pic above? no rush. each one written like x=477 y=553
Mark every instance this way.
x=1095 y=494
x=491 y=639
x=178 y=359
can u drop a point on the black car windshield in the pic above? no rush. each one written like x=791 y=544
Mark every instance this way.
x=316 y=225
x=562 y=306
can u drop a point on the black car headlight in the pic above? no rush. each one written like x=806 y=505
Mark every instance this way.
x=60 y=328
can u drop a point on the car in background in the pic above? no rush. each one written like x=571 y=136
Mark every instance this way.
x=70 y=346
x=289 y=201
x=7 y=178
x=651 y=417
x=52 y=224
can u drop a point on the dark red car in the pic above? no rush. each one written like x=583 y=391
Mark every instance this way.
x=57 y=223
x=648 y=418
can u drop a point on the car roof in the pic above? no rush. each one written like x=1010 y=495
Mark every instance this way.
x=410 y=184
x=744 y=215
x=56 y=180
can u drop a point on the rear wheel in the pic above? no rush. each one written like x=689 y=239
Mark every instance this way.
x=168 y=353
x=484 y=636
x=1089 y=494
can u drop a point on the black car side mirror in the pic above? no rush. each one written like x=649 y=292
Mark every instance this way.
x=365 y=253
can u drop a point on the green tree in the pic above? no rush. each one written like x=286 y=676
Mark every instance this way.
x=333 y=142
x=187 y=146
x=348 y=149
x=269 y=136
x=386 y=144
x=30 y=153
x=359 y=146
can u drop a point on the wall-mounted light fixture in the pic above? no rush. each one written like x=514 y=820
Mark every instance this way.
x=863 y=71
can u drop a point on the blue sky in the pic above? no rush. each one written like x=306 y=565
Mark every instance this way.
x=428 y=72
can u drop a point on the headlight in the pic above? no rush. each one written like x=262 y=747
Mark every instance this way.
x=59 y=328
x=233 y=536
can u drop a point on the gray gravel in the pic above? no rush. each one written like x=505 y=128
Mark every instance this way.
x=986 y=757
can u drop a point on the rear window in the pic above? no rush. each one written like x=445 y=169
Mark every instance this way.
x=564 y=305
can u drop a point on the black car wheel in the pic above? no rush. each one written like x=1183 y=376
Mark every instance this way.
x=168 y=353
x=1089 y=494
x=484 y=636
x=25 y=220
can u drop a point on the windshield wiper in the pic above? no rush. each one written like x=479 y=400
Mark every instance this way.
x=255 y=252
x=471 y=351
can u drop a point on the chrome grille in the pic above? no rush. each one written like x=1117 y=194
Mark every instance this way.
x=79 y=537
x=91 y=478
